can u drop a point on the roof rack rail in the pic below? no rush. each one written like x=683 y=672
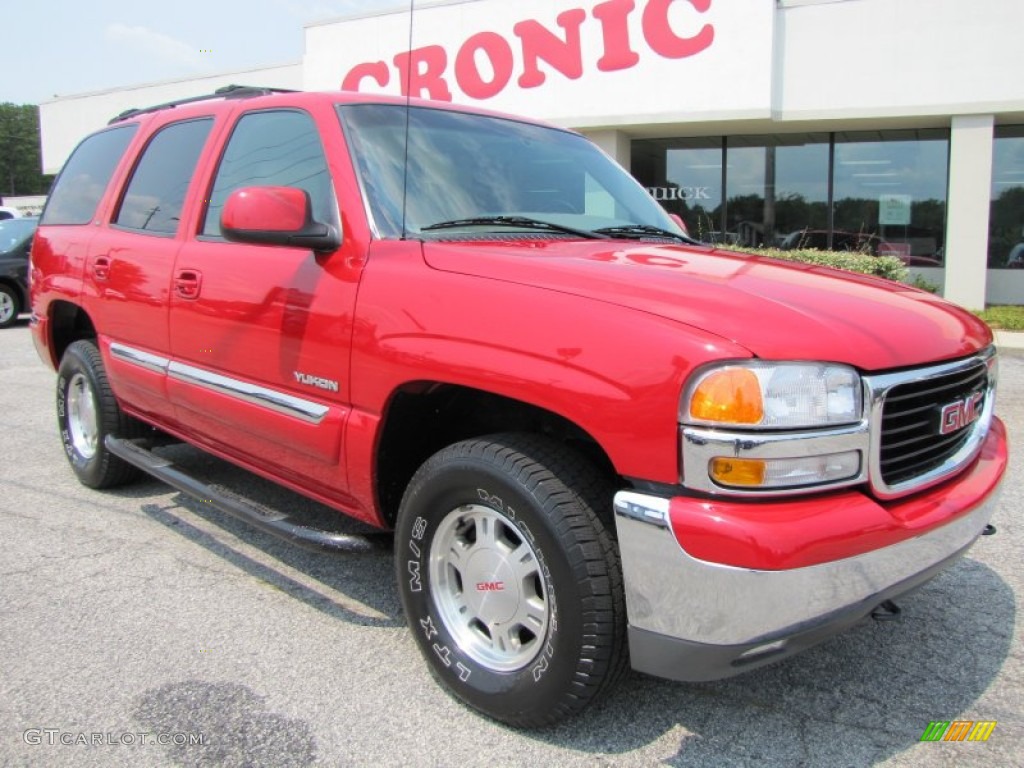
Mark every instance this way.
x=226 y=92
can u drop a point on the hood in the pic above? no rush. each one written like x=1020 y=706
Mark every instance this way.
x=776 y=309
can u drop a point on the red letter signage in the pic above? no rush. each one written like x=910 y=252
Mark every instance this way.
x=376 y=71
x=423 y=70
x=486 y=62
x=467 y=71
x=539 y=43
x=667 y=43
x=614 y=18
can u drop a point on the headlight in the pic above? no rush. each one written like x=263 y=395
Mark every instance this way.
x=767 y=395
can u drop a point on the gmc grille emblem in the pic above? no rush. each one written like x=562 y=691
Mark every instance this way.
x=958 y=415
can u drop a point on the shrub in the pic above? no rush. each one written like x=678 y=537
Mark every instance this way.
x=923 y=283
x=888 y=267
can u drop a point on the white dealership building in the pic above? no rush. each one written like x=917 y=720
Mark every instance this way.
x=893 y=125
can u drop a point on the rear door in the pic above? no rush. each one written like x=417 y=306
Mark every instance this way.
x=128 y=270
x=260 y=335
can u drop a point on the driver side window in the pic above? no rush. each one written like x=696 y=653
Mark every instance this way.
x=279 y=148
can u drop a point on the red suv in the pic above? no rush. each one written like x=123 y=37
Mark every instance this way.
x=588 y=433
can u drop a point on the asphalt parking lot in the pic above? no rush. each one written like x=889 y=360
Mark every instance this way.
x=134 y=613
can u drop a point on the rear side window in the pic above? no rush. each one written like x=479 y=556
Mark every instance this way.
x=156 y=192
x=273 y=149
x=78 y=189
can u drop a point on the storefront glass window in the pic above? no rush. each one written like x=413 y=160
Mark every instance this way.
x=887 y=190
x=890 y=194
x=685 y=176
x=1006 y=218
x=777 y=188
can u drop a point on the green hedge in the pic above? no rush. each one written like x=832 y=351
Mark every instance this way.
x=1004 y=318
x=888 y=267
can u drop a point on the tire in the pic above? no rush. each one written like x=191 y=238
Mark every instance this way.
x=510 y=582
x=86 y=413
x=10 y=306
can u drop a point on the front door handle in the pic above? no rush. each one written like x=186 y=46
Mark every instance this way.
x=188 y=283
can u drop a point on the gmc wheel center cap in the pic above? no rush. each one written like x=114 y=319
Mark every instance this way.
x=490 y=588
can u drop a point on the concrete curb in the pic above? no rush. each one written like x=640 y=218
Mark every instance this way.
x=1009 y=339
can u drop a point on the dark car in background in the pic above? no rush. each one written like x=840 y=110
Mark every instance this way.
x=15 y=242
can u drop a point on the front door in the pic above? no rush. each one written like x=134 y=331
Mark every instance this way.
x=261 y=335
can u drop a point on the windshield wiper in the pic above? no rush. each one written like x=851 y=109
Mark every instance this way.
x=639 y=231
x=524 y=222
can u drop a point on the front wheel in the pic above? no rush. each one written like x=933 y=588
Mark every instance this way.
x=509 y=579
x=86 y=413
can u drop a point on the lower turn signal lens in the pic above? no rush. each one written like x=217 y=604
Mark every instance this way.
x=738 y=472
x=784 y=473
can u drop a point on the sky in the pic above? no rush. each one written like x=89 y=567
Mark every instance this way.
x=62 y=47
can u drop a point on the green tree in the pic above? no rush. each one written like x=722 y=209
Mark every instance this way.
x=20 y=164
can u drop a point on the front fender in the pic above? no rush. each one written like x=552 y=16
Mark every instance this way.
x=615 y=372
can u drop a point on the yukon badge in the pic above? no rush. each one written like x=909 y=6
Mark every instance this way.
x=960 y=414
x=315 y=381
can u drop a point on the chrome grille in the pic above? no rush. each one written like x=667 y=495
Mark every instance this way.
x=912 y=443
x=909 y=449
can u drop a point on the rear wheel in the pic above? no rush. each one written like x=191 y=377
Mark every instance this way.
x=510 y=580
x=10 y=306
x=86 y=413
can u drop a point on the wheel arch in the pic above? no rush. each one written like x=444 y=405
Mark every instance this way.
x=422 y=417
x=68 y=323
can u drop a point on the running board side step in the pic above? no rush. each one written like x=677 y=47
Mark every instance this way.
x=268 y=520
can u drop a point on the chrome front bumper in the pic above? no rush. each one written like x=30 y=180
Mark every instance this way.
x=695 y=620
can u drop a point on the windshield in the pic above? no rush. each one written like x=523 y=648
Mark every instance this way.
x=467 y=169
x=14 y=233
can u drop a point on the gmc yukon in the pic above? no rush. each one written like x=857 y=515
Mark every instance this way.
x=598 y=443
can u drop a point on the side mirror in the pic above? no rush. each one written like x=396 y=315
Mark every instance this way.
x=276 y=216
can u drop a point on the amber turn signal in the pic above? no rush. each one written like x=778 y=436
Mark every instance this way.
x=730 y=395
x=738 y=472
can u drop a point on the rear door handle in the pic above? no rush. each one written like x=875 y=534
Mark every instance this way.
x=101 y=268
x=188 y=283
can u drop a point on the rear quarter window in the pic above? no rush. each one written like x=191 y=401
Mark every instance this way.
x=85 y=176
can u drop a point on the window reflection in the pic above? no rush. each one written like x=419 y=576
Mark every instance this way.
x=777 y=188
x=890 y=193
x=886 y=190
x=1006 y=216
x=685 y=176
x=85 y=176
x=273 y=148
x=156 y=192
x=463 y=166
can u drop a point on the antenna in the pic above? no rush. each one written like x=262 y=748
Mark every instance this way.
x=408 y=110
